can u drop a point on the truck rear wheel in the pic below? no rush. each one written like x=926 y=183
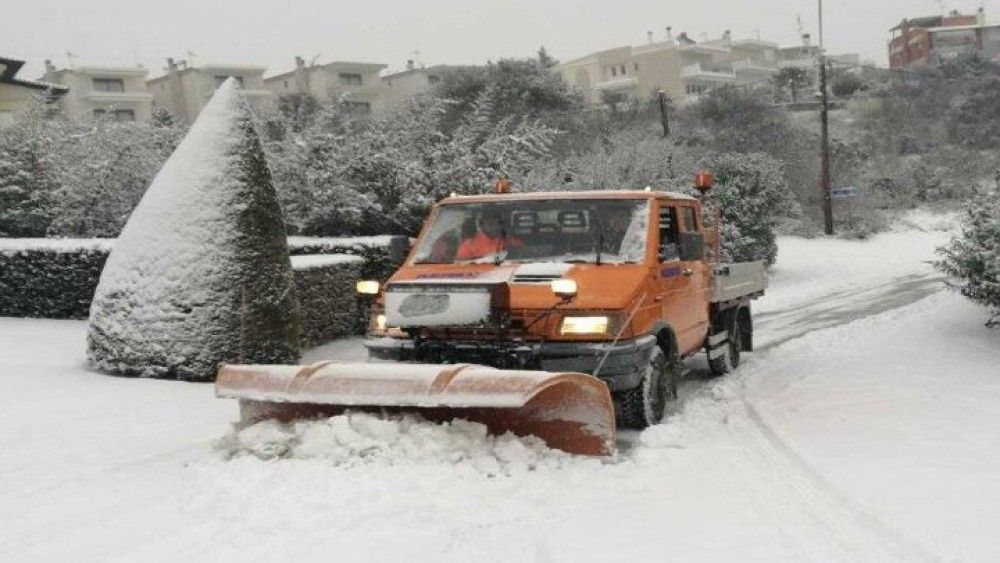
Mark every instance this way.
x=645 y=405
x=730 y=358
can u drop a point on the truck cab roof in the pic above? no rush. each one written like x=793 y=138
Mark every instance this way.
x=566 y=195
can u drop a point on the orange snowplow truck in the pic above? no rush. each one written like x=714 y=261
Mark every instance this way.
x=555 y=314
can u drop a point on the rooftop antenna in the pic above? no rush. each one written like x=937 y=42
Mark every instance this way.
x=69 y=59
x=312 y=61
x=190 y=57
x=416 y=56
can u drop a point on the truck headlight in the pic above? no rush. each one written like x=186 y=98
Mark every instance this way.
x=584 y=325
x=367 y=287
x=380 y=322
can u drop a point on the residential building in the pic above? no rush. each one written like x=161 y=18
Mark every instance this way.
x=102 y=91
x=185 y=89
x=400 y=86
x=926 y=41
x=681 y=67
x=16 y=94
x=806 y=57
x=353 y=83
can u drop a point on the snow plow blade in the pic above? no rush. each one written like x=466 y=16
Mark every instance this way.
x=572 y=412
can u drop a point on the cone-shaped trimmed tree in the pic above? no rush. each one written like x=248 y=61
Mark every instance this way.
x=200 y=274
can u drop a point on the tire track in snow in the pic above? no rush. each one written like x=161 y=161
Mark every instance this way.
x=806 y=505
x=817 y=520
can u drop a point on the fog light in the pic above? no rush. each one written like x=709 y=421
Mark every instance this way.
x=584 y=325
x=564 y=288
x=367 y=287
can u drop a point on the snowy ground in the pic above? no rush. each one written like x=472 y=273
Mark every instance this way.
x=863 y=429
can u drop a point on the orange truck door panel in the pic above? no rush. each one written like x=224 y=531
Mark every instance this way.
x=678 y=283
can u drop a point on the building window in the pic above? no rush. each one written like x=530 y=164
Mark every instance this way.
x=623 y=70
x=109 y=85
x=350 y=79
x=286 y=84
x=358 y=107
x=99 y=113
x=433 y=78
x=635 y=67
x=614 y=71
x=220 y=78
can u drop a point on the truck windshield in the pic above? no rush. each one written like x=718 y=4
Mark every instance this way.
x=609 y=230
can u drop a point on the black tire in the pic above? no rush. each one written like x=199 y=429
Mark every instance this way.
x=730 y=361
x=646 y=404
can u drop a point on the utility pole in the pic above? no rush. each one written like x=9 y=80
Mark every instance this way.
x=661 y=97
x=824 y=133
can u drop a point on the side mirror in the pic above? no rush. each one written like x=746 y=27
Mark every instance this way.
x=692 y=246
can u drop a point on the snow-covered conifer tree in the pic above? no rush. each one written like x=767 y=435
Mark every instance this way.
x=753 y=195
x=200 y=274
x=974 y=254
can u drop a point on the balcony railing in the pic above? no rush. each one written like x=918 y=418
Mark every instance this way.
x=110 y=97
x=707 y=71
x=620 y=83
x=749 y=66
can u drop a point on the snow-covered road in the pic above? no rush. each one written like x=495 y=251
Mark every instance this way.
x=863 y=429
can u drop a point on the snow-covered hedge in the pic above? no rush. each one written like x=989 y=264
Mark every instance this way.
x=382 y=254
x=328 y=305
x=56 y=278
x=53 y=278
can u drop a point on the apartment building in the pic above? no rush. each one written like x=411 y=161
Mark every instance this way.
x=356 y=84
x=927 y=41
x=685 y=69
x=16 y=94
x=185 y=89
x=681 y=67
x=108 y=92
x=400 y=86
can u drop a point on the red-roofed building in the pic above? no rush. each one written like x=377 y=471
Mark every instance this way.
x=928 y=40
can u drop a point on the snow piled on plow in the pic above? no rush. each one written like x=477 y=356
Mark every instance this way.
x=359 y=439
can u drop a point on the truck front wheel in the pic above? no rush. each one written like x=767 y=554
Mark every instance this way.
x=646 y=404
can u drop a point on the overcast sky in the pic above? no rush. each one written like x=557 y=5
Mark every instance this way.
x=272 y=32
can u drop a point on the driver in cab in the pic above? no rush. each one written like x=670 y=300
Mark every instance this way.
x=491 y=238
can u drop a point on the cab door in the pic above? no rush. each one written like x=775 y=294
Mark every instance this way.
x=699 y=276
x=678 y=282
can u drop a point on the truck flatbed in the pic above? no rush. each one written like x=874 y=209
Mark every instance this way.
x=737 y=280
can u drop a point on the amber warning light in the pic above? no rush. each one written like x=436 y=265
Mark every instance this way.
x=502 y=186
x=703 y=181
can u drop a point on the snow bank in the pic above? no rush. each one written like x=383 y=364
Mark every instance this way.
x=360 y=439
